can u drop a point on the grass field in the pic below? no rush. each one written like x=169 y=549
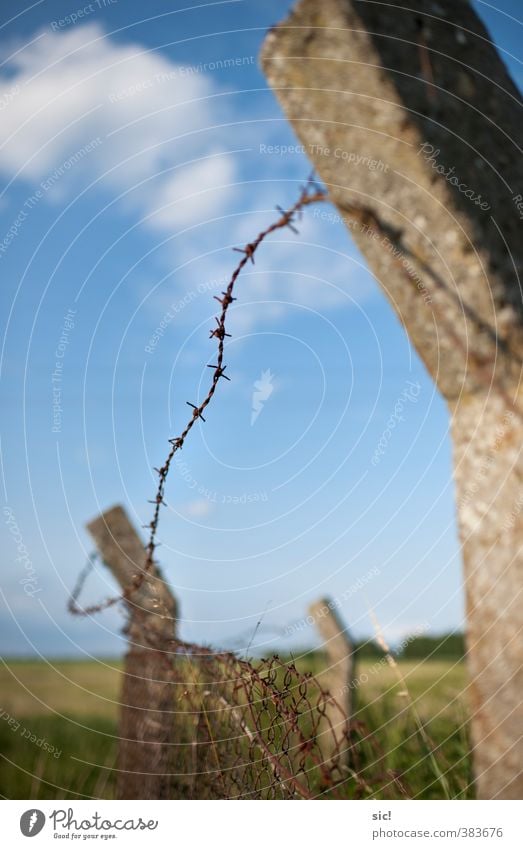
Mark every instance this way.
x=59 y=722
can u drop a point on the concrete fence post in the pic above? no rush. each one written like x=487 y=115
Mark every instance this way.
x=146 y=709
x=413 y=123
x=336 y=678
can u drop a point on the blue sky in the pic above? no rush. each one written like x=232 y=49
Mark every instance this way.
x=135 y=156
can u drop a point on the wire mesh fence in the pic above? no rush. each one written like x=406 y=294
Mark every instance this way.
x=243 y=729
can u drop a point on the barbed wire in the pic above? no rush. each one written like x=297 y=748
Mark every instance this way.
x=310 y=193
x=88 y=567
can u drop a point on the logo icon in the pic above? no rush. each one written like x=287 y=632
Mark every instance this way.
x=32 y=822
x=263 y=389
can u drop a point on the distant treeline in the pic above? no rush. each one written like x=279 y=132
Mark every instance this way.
x=449 y=646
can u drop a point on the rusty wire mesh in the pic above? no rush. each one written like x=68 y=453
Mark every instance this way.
x=259 y=730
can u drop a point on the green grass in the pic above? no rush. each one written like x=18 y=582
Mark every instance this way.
x=421 y=728
x=415 y=728
x=414 y=723
x=74 y=707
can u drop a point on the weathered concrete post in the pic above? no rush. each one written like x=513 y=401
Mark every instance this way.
x=337 y=677
x=412 y=122
x=146 y=710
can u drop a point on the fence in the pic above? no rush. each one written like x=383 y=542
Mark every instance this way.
x=206 y=724
x=199 y=723
x=249 y=731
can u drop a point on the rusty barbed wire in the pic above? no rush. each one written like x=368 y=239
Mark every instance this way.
x=219 y=332
x=80 y=582
x=310 y=193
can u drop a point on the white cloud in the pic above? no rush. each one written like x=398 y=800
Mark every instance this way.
x=66 y=89
x=197 y=509
x=204 y=183
x=162 y=148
